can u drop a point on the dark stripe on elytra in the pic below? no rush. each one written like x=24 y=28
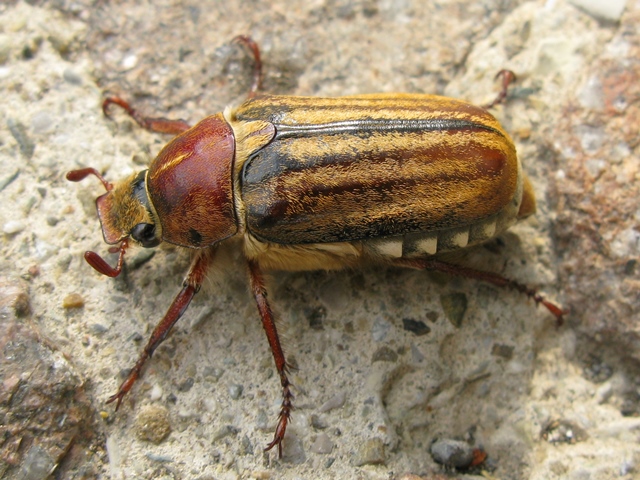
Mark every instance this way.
x=277 y=209
x=280 y=159
x=370 y=126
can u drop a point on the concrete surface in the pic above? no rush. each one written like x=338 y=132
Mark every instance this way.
x=384 y=366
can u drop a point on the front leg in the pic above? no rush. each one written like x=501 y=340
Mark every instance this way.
x=268 y=322
x=190 y=287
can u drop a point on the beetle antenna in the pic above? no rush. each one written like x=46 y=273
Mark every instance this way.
x=82 y=173
x=100 y=265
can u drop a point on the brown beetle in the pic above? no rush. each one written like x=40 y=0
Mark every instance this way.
x=318 y=183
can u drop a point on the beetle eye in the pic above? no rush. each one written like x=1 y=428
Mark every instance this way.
x=145 y=235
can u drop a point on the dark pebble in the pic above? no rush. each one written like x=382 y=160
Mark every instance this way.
x=452 y=453
x=415 y=326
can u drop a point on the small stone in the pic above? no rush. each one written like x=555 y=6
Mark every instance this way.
x=14 y=294
x=380 y=329
x=13 y=226
x=504 y=351
x=454 y=306
x=71 y=77
x=152 y=424
x=318 y=422
x=42 y=122
x=97 y=329
x=129 y=61
x=384 y=354
x=316 y=316
x=415 y=326
x=245 y=446
x=19 y=132
x=293 y=451
x=452 y=453
x=186 y=385
x=323 y=445
x=7 y=180
x=73 y=300
x=370 y=452
x=337 y=401
x=607 y=10
x=262 y=421
x=224 y=431
x=235 y=391
x=37 y=464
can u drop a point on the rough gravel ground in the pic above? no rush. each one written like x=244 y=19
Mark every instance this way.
x=388 y=360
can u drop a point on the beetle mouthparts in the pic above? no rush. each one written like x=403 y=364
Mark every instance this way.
x=100 y=265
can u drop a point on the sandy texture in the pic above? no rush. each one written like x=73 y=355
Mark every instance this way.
x=388 y=360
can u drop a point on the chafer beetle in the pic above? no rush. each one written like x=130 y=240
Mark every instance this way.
x=318 y=183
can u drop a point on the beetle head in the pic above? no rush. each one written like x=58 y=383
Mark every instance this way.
x=185 y=198
x=124 y=213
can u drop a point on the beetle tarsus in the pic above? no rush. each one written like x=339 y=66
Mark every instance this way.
x=159 y=125
x=268 y=322
x=508 y=77
x=192 y=284
x=493 y=278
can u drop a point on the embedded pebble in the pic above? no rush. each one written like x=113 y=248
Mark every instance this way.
x=186 y=385
x=608 y=10
x=293 y=451
x=380 y=329
x=262 y=421
x=318 y=422
x=19 y=132
x=415 y=326
x=504 y=351
x=155 y=393
x=97 y=329
x=323 y=444
x=44 y=250
x=13 y=226
x=224 y=431
x=370 y=452
x=337 y=401
x=42 y=122
x=246 y=448
x=454 y=306
x=14 y=294
x=7 y=180
x=72 y=77
x=73 y=300
x=384 y=354
x=235 y=391
x=152 y=424
x=37 y=464
x=452 y=453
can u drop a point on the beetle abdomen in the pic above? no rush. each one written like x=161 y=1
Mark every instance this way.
x=375 y=166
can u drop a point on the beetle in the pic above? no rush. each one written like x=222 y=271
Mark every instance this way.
x=317 y=183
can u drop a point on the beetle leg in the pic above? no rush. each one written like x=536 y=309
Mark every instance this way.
x=191 y=285
x=494 y=278
x=508 y=77
x=269 y=324
x=248 y=42
x=159 y=125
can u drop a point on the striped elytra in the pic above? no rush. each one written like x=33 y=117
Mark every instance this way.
x=433 y=173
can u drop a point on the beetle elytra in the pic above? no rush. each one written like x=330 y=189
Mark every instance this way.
x=317 y=183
